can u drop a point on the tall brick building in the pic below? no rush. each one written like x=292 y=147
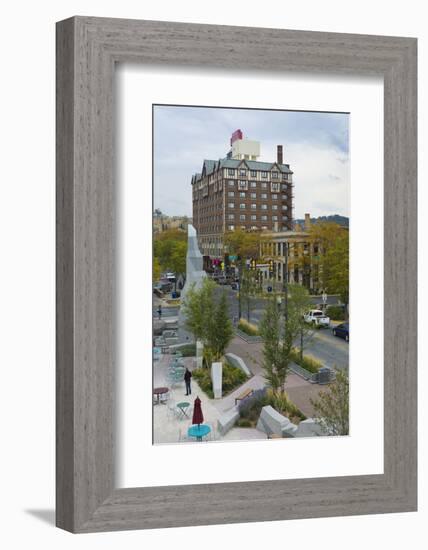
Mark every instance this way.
x=239 y=191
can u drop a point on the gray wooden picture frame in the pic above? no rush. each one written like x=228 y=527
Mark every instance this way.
x=87 y=50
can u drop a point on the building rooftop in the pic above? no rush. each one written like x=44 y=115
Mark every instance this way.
x=210 y=166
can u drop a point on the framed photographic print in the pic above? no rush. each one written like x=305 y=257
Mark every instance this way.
x=227 y=199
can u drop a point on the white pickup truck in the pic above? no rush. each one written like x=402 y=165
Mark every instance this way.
x=317 y=317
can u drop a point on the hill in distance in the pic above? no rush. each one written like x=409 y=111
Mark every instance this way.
x=335 y=218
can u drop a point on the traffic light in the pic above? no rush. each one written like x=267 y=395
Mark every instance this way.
x=222 y=266
x=253 y=263
x=271 y=266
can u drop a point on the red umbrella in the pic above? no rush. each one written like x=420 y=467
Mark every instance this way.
x=198 y=417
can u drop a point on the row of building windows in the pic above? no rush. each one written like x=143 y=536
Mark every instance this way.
x=243 y=185
x=253 y=174
x=242 y=195
x=253 y=217
x=253 y=206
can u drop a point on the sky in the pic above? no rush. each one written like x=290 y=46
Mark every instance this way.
x=316 y=145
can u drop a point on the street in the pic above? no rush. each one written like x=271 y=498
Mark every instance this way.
x=321 y=344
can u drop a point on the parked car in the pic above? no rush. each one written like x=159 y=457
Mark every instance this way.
x=342 y=331
x=317 y=317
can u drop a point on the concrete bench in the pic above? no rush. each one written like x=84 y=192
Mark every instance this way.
x=244 y=394
x=272 y=422
x=309 y=428
x=227 y=420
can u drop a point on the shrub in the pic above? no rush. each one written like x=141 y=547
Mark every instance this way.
x=336 y=312
x=250 y=408
x=189 y=350
x=232 y=378
x=308 y=362
x=248 y=328
x=203 y=377
x=243 y=423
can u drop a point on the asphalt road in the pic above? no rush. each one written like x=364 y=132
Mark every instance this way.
x=330 y=350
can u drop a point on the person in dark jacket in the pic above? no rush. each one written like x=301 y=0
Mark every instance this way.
x=187 y=378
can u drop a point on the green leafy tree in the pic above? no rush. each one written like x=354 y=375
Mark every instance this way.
x=279 y=333
x=199 y=307
x=275 y=360
x=221 y=330
x=208 y=320
x=156 y=269
x=332 y=406
x=297 y=307
x=249 y=285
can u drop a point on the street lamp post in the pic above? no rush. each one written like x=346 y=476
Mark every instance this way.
x=285 y=280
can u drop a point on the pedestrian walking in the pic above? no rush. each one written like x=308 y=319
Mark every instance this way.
x=187 y=378
x=160 y=312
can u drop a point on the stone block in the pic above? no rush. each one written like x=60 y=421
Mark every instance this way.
x=238 y=362
x=199 y=354
x=289 y=430
x=217 y=379
x=271 y=421
x=227 y=420
x=309 y=428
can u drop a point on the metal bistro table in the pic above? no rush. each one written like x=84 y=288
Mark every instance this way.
x=198 y=431
x=182 y=407
x=160 y=391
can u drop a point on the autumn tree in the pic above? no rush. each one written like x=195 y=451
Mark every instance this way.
x=332 y=406
x=170 y=249
x=244 y=245
x=249 y=285
x=333 y=258
x=156 y=269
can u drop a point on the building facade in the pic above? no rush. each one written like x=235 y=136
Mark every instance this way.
x=295 y=257
x=239 y=191
x=161 y=222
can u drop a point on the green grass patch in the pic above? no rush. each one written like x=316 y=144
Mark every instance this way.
x=307 y=362
x=189 y=350
x=232 y=378
x=250 y=408
x=337 y=313
x=248 y=328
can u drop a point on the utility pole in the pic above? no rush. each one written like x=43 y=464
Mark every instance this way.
x=239 y=287
x=285 y=280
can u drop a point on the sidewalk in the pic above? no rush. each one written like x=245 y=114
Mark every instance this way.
x=299 y=390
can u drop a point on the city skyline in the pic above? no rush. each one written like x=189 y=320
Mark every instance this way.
x=316 y=145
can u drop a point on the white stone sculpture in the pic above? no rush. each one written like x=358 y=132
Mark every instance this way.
x=217 y=379
x=194 y=278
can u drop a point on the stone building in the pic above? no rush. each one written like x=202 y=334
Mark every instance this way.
x=161 y=222
x=294 y=255
x=239 y=191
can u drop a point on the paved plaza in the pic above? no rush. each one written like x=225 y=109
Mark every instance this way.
x=171 y=426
